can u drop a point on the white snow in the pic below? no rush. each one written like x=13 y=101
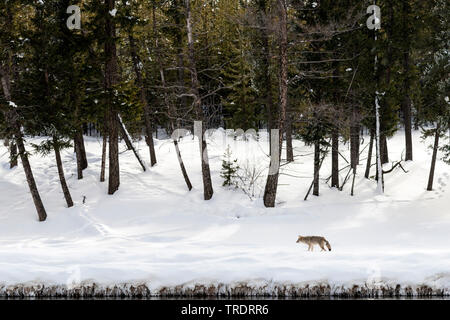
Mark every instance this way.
x=154 y=231
x=12 y=104
x=113 y=12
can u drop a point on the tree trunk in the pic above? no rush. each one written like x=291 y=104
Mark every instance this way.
x=406 y=103
x=79 y=151
x=270 y=191
x=369 y=155
x=316 y=167
x=335 y=158
x=79 y=145
x=137 y=64
x=289 y=149
x=13 y=155
x=103 y=169
x=181 y=163
x=62 y=179
x=206 y=173
x=406 y=106
x=384 y=149
x=12 y=118
x=129 y=143
x=433 y=159
x=110 y=81
x=354 y=140
x=171 y=111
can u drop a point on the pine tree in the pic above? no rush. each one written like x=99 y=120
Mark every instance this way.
x=229 y=168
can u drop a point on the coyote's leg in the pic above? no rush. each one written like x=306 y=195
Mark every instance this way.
x=322 y=246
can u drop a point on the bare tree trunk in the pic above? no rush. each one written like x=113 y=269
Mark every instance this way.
x=406 y=106
x=406 y=103
x=206 y=173
x=103 y=169
x=335 y=158
x=316 y=167
x=289 y=149
x=183 y=169
x=171 y=111
x=433 y=159
x=62 y=179
x=270 y=191
x=369 y=155
x=384 y=149
x=13 y=155
x=12 y=118
x=79 y=146
x=129 y=143
x=79 y=150
x=354 y=140
x=110 y=81
x=137 y=64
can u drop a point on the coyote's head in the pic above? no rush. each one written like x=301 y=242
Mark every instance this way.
x=300 y=238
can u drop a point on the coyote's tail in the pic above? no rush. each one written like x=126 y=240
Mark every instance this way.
x=328 y=245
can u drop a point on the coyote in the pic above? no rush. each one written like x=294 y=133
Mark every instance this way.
x=311 y=241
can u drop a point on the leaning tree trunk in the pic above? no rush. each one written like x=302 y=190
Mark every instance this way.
x=369 y=155
x=433 y=159
x=316 y=167
x=110 y=81
x=335 y=158
x=171 y=112
x=206 y=173
x=127 y=138
x=270 y=191
x=12 y=119
x=62 y=179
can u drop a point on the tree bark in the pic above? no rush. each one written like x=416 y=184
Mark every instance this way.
x=433 y=159
x=182 y=167
x=206 y=173
x=12 y=118
x=12 y=154
x=354 y=139
x=110 y=81
x=103 y=169
x=335 y=158
x=137 y=64
x=270 y=191
x=62 y=179
x=129 y=143
x=289 y=149
x=369 y=155
x=406 y=103
x=79 y=142
x=406 y=106
x=80 y=153
x=384 y=149
x=316 y=167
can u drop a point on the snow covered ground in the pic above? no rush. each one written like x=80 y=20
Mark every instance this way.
x=155 y=233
